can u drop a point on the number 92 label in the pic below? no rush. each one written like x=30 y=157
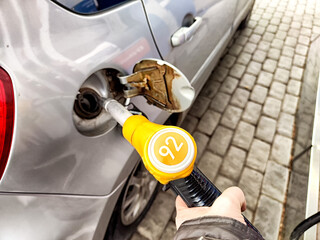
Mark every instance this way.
x=170 y=148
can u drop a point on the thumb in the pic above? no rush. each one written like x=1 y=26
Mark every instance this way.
x=180 y=204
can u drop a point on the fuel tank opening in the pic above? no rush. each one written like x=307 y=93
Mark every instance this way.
x=87 y=104
x=89 y=117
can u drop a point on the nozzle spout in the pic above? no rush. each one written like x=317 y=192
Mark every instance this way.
x=116 y=110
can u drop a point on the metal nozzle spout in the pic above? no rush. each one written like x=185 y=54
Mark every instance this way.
x=116 y=110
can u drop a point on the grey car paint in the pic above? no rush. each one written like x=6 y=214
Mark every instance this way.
x=60 y=184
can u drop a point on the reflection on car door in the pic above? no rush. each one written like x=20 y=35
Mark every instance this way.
x=214 y=20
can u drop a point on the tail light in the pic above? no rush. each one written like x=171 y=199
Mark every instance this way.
x=6 y=118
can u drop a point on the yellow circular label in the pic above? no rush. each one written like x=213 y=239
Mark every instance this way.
x=170 y=148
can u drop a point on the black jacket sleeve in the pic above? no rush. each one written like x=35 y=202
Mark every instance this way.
x=215 y=227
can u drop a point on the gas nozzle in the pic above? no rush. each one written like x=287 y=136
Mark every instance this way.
x=168 y=152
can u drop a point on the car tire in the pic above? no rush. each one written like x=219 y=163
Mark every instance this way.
x=133 y=204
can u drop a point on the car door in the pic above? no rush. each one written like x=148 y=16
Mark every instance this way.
x=207 y=25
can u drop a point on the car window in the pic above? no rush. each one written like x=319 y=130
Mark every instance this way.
x=88 y=6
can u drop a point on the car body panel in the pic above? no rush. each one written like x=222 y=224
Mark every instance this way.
x=52 y=217
x=166 y=17
x=49 y=52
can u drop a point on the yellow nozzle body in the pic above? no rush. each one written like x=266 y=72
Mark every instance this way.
x=168 y=152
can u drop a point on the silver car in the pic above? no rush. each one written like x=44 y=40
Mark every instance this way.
x=66 y=171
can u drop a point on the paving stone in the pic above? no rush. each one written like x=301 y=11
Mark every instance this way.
x=235 y=50
x=274 y=53
x=266 y=129
x=275 y=181
x=296 y=73
x=220 y=140
x=244 y=58
x=270 y=65
x=285 y=62
x=277 y=90
x=259 y=94
x=272 y=28
x=290 y=104
x=263 y=23
x=199 y=106
x=258 y=155
x=264 y=45
x=265 y=78
x=152 y=226
x=219 y=74
x=281 y=35
x=254 y=68
x=288 y=51
x=294 y=87
x=250 y=183
x=268 y=37
x=281 y=150
x=231 y=117
x=233 y=163
x=284 y=27
x=241 y=40
x=250 y=48
x=275 y=20
x=286 y=19
x=304 y=40
x=282 y=75
x=278 y=15
x=220 y=102
x=190 y=123
x=209 y=122
x=209 y=164
x=252 y=112
x=247 y=81
x=237 y=71
x=255 y=38
x=268 y=217
x=240 y=98
x=302 y=49
x=229 y=85
x=228 y=61
x=272 y=107
x=259 y=30
x=246 y=32
x=210 y=89
x=255 y=17
x=223 y=182
x=243 y=135
x=201 y=141
x=285 y=125
x=299 y=60
x=169 y=231
x=298 y=193
x=259 y=56
x=277 y=43
x=293 y=33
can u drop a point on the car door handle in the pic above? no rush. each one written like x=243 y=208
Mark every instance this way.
x=185 y=33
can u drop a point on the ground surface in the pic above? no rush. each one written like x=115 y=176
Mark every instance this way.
x=244 y=118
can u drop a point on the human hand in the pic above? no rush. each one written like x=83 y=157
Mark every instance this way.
x=229 y=204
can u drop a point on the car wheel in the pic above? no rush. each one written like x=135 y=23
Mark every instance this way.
x=134 y=202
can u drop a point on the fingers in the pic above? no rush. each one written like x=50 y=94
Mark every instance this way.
x=180 y=204
x=237 y=195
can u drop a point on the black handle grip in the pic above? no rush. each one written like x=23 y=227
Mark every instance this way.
x=197 y=190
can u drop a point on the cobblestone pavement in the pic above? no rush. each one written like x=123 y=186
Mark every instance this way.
x=244 y=119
